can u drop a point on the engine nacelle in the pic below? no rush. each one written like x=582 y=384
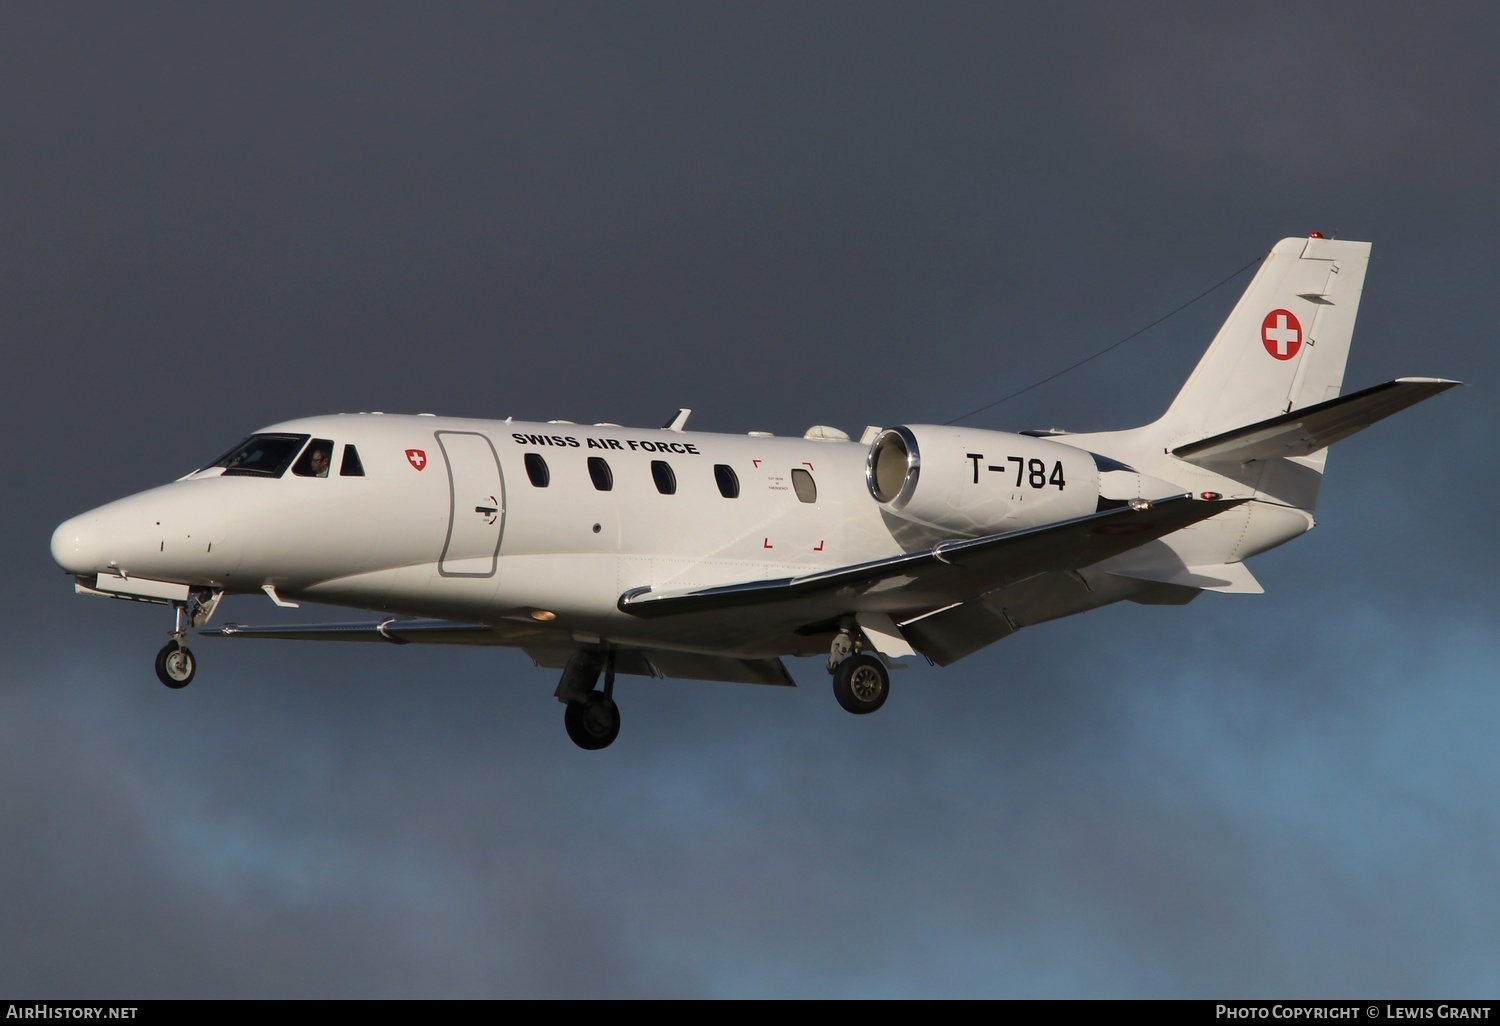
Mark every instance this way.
x=968 y=482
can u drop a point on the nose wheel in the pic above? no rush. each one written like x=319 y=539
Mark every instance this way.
x=175 y=665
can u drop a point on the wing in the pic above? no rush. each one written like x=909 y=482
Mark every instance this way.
x=394 y=630
x=924 y=584
x=1314 y=427
x=949 y=572
x=544 y=649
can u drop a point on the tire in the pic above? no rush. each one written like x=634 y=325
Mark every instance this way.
x=175 y=665
x=861 y=684
x=592 y=723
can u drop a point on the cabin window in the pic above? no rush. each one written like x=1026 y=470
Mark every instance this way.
x=804 y=485
x=599 y=471
x=315 y=460
x=661 y=473
x=351 y=466
x=261 y=456
x=729 y=483
x=536 y=469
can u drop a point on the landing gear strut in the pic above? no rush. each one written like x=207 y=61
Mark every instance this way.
x=175 y=664
x=860 y=679
x=591 y=717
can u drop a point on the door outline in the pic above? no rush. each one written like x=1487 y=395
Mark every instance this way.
x=472 y=468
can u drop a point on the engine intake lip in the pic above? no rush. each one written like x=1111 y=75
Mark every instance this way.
x=892 y=467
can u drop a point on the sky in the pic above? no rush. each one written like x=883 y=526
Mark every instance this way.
x=778 y=214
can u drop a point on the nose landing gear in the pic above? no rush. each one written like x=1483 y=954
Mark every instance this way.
x=175 y=664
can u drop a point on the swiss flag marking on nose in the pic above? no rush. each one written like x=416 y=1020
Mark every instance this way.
x=1281 y=334
x=417 y=458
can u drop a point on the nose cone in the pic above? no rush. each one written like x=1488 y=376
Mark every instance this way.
x=173 y=533
x=78 y=545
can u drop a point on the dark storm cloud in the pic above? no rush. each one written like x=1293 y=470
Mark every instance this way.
x=778 y=215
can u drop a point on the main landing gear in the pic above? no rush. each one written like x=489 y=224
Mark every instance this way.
x=175 y=664
x=591 y=717
x=860 y=679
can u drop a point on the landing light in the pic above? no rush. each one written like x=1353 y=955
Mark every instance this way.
x=544 y=615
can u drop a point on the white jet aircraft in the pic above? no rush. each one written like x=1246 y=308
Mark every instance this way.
x=602 y=549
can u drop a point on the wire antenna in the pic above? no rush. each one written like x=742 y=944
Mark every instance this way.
x=1114 y=345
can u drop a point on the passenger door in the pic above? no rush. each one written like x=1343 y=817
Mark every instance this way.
x=476 y=505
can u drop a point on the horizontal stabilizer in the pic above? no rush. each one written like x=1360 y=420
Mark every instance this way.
x=1314 y=427
x=1230 y=578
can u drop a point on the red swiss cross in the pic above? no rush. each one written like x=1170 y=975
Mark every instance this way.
x=1281 y=334
x=417 y=458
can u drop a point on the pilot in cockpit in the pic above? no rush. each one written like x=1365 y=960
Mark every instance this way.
x=314 y=461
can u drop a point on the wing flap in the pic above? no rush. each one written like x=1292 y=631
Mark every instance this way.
x=947 y=635
x=1229 y=578
x=1314 y=427
x=660 y=662
x=700 y=666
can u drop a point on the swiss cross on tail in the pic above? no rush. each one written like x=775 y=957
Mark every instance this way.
x=1281 y=334
x=417 y=458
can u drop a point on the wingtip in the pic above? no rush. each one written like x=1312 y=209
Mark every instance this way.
x=1446 y=383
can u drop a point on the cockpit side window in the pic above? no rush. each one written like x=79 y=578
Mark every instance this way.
x=351 y=466
x=315 y=460
x=260 y=456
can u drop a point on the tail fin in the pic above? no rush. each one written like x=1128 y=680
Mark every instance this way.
x=1284 y=345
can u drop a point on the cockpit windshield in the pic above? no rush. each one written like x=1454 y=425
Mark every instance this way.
x=261 y=456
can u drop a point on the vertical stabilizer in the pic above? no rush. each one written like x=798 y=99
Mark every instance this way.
x=1284 y=345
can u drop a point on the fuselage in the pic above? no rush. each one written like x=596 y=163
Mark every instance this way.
x=540 y=528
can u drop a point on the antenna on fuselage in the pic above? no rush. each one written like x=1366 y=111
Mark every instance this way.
x=676 y=423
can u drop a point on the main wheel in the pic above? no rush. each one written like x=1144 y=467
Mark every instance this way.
x=861 y=683
x=175 y=665
x=592 y=723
